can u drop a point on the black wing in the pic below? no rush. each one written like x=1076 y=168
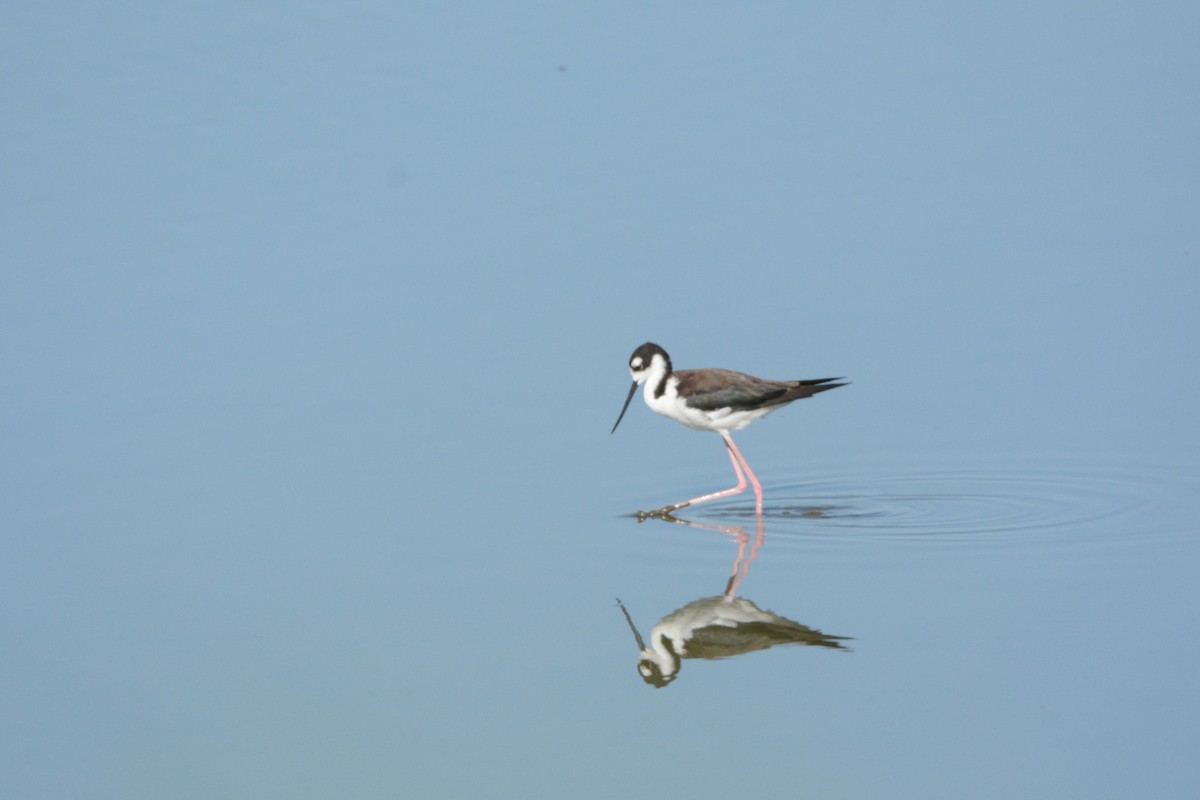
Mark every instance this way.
x=712 y=389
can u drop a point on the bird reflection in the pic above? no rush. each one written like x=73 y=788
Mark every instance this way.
x=719 y=627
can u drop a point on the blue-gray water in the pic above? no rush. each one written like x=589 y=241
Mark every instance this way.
x=315 y=320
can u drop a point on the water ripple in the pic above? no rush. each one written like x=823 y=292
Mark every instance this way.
x=981 y=501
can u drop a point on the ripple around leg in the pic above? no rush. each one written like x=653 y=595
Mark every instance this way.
x=979 y=501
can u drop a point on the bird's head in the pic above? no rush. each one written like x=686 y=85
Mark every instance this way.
x=647 y=361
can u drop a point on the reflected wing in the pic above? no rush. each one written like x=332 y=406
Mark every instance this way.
x=720 y=641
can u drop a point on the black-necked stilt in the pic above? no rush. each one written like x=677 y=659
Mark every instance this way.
x=718 y=400
x=717 y=627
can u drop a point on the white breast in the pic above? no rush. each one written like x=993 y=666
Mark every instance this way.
x=671 y=405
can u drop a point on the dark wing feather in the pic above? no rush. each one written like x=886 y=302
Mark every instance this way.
x=712 y=389
x=802 y=389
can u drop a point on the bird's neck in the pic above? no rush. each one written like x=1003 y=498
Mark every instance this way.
x=659 y=384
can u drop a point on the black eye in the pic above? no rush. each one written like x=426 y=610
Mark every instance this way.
x=635 y=363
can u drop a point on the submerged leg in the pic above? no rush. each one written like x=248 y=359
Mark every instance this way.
x=739 y=464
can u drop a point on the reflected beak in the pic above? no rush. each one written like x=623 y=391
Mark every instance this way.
x=641 y=645
x=624 y=408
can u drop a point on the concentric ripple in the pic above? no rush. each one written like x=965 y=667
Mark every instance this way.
x=973 y=502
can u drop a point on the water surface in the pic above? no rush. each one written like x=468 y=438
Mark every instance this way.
x=315 y=319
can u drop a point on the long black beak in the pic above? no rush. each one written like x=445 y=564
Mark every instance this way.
x=632 y=389
x=641 y=645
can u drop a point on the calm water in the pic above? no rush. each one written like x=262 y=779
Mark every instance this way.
x=314 y=322
x=1003 y=616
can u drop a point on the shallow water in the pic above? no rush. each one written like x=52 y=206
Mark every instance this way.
x=996 y=615
x=315 y=321
x=973 y=503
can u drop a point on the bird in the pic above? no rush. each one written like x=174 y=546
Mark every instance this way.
x=716 y=400
x=717 y=627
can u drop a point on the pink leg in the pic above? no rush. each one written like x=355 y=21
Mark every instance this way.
x=739 y=463
x=741 y=564
x=740 y=568
x=749 y=472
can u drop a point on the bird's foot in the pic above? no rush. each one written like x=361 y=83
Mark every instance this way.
x=664 y=513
